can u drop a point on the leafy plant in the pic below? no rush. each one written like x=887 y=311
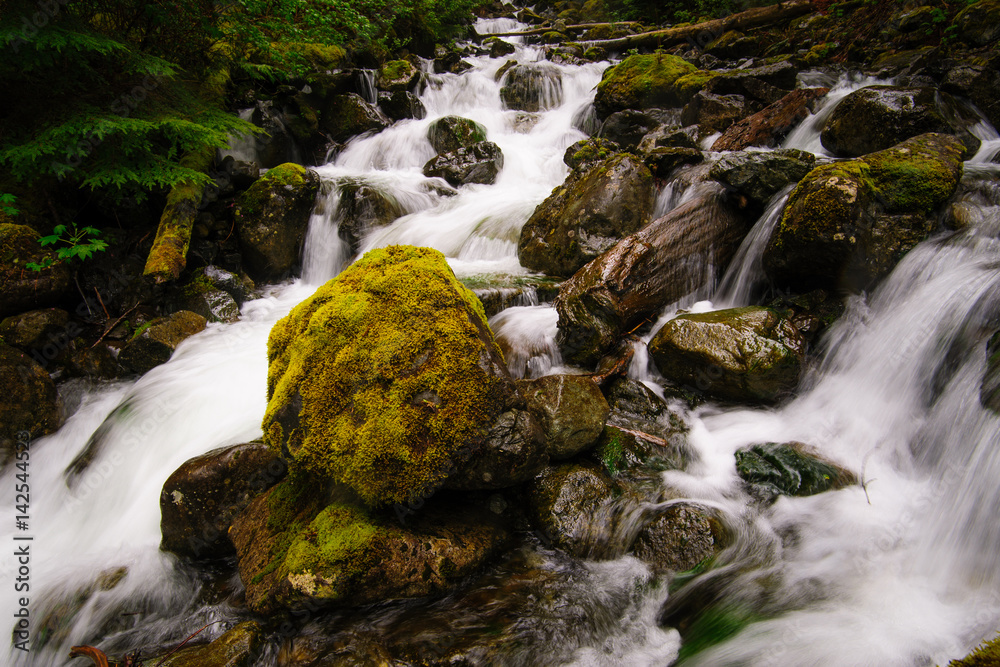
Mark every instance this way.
x=7 y=204
x=73 y=244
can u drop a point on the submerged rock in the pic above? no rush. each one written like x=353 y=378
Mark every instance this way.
x=791 y=468
x=587 y=215
x=479 y=163
x=272 y=217
x=22 y=288
x=989 y=391
x=570 y=410
x=677 y=539
x=32 y=407
x=155 y=342
x=572 y=505
x=387 y=379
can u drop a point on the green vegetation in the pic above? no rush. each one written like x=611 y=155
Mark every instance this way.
x=681 y=11
x=71 y=243
x=985 y=655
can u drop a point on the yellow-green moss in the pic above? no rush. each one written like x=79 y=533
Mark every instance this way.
x=690 y=84
x=320 y=56
x=985 y=655
x=253 y=199
x=642 y=81
x=918 y=175
x=384 y=361
x=810 y=208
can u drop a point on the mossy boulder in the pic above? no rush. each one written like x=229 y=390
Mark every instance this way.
x=879 y=117
x=532 y=87
x=570 y=409
x=847 y=224
x=643 y=81
x=453 y=132
x=498 y=47
x=215 y=294
x=587 y=215
x=22 y=288
x=678 y=538
x=272 y=218
x=238 y=647
x=571 y=505
x=387 y=379
x=346 y=116
x=479 y=163
x=397 y=75
x=32 y=407
x=979 y=23
x=37 y=329
x=743 y=354
x=296 y=551
x=791 y=469
x=154 y=342
x=761 y=175
x=201 y=498
x=585 y=152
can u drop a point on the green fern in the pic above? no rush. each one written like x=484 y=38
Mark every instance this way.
x=71 y=244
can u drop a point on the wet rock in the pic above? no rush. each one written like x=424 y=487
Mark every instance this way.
x=498 y=47
x=22 y=288
x=32 y=408
x=294 y=553
x=382 y=387
x=585 y=152
x=453 y=132
x=980 y=83
x=765 y=84
x=63 y=606
x=514 y=452
x=272 y=217
x=401 y=105
x=847 y=224
x=347 y=116
x=238 y=647
x=99 y=362
x=532 y=87
x=879 y=117
x=770 y=126
x=479 y=163
x=678 y=539
x=587 y=215
x=979 y=23
x=663 y=161
x=571 y=505
x=201 y=498
x=670 y=137
x=38 y=329
x=761 y=175
x=989 y=391
x=713 y=113
x=397 y=76
x=627 y=128
x=154 y=342
x=643 y=81
x=733 y=45
x=201 y=295
x=792 y=469
x=641 y=274
x=570 y=410
x=363 y=208
x=278 y=145
x=741 y=354
x=240 y=287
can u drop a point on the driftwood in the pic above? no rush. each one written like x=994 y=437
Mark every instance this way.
x=706 y=32
x=549 y=28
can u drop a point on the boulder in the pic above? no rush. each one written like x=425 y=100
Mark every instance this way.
x=346 y=116
x=201 y=498
x=586 y=152
x=363 y=207
x=238 y=647
x=713 y=113
x=32 y=407
x=662 y=161
x=37 y=329
x=479 y=163
x=979 y=23
x=761 y=175
x=570 y=410
x=401 y=104
x=879 y=117
x=387 y=379
x=627 y=128
x=643 y=81
x=453 y=132
x=22 y=288
x=397 y=76
x=532 y=87
x=295 y=551
x=641 y=274
x=748 y=354
x=571 y=505
x=678 y=538
x=847 y=224
x=514 y=452
x=278 y=145
x=769 y=127
x=791 y=469
x=980 y=83
x=214 y=305
x=498 y=47
x=155 y=341
x=587 y=215
x=272 y=218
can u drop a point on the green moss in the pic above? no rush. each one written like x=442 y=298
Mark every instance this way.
x=915 y=176
x=815 y=202
x=253 y=199
x=642 y=81
x=690 y=84
x=141 y=329
x=396 y=72
x=714 y=626
x=384 y=362
x=985 y=655
x=319 y=56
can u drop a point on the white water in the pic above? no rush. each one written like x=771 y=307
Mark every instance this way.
x=902 y=572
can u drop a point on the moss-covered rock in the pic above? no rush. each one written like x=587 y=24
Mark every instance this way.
x=238 y=647
x=201 y=498
x=744 y=354
x=587 y=215
x=295 y=551
x=36 y=329
x=791 y=468
x=479 y=163
x=587 y=151
x=979 y=23
x=31 y=408
x=272 y=218
x=397 y=75
x=532 y=87
x=21 y=288
x=985 y=655
x=401 y=105
x=570 y=409
x=642 y=81
x=453 y=132
x=848 y=223
x=346 y=116
x=155 y=341
x=387 y=379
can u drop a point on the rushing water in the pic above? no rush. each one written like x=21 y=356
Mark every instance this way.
x=901 y=571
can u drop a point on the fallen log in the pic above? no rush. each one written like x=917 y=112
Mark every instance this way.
x=548 y=28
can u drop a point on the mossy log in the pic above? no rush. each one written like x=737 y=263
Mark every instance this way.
x=706 y=32
x=549 y=28
x=168 y=256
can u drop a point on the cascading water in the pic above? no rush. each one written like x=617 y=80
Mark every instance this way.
x=897 y=572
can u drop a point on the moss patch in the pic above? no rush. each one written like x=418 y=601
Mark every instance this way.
x=986 y=655
x=642 y=81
